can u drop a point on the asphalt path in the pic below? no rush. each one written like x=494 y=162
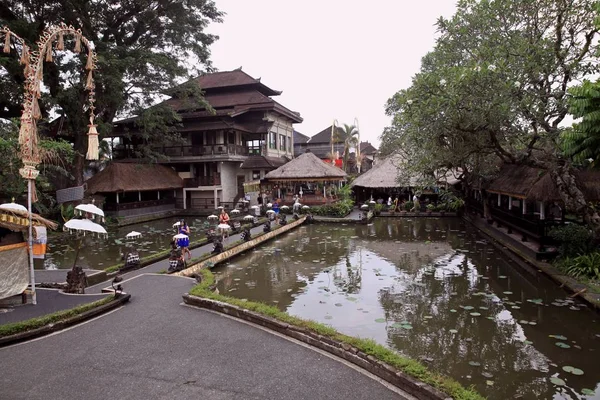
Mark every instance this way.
x=156 y=348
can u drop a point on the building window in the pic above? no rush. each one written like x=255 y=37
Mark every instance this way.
x=282 y=142
x=272 y=140
x=254 y=147
x=255 y=175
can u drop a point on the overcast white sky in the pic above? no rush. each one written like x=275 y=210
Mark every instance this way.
x=331 y=58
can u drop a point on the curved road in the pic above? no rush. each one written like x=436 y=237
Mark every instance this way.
x=156 y=348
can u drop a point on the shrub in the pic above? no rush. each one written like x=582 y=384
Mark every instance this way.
x=408 y=205
x=378 y=208
x=339 y=209
x=431 y=207
x=587 y=265
x=574 y=239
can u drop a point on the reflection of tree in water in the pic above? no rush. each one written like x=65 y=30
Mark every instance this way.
x=459 y=280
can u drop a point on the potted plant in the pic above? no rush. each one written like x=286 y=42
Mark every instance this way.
x=442 y=209
x=378 y=208
x=430 y=207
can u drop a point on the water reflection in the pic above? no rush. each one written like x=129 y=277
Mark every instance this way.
x=432 y=289
x=102 y=253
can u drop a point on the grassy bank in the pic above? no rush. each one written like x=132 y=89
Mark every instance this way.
x=404 y=364
x=34 y=323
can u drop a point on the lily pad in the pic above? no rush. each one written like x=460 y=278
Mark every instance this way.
x=487 y=374
x=572 y=370
x=396 y=325
x=502 y=276
x=507 y=292
x=468 y=307
x=527 y=342
x=562 y=345
x=535 y=301
x=489 y=383
x=475 y=314
x=557 y=381
x=587 y=392
x=406 y=326
x=490 y=318
x=380 y=320
x=351 y=298
x=428 y=317
x=453 y=331
x=338 y=304
x=474 y=363
x=453 y=310
x=328 y=317
x=559 y=337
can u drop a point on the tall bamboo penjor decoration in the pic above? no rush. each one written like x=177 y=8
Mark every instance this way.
x=33 y=64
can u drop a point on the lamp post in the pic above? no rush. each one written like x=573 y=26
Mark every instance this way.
x=33 y=62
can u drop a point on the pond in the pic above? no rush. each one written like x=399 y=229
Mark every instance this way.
x=436 y=291
x=102 y=253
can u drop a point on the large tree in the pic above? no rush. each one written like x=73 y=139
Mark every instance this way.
x=143 y=47
x=348 y=135
x=494 y=90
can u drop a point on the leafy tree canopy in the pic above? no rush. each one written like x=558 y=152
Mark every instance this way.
x=494 y=88
x=143 y=48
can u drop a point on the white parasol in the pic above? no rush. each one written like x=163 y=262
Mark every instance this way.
x=176 y=224
x=180 y=236
x=85 y=225
x=255 y=207
x=269 y=205
x=89 y=208
x=305 y=207
x=364 y=206
x=284 y=207
x=223 y=226
x=270 y=212
x=133 y=235
x=13 y=207
x=235 y=211
x=220 y=207
x=213 y=217
x=249 y=217
x=372 y=202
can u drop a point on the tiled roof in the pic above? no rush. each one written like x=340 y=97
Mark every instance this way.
x=325 y=135
x=367 y=148
x=300 y=138
x=233 y=79
x=263 y=162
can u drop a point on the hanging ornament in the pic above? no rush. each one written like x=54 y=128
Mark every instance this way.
x=7 y=42
x=24 y=56
x=90 y=63
x=49 y=52
x=60 y=45
x=24 y=129
x=89 y=84
x=37 y=114
x=92 y=153
x=77 y=48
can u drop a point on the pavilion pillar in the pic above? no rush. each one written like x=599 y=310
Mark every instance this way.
x=510 y=202
x=499 y=199
x=216 y=198
x=524 y=206
x=158 y=194
x=542 y=210
x=139 y=196
x=184 y=198
x=117 y=197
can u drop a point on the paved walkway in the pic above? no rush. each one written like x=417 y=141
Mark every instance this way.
x=156 y=348
x=48 y=302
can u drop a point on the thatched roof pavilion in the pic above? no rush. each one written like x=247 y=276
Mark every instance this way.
x=133 y=177
x=536 y=184
x=385 y=175
x=306 y=167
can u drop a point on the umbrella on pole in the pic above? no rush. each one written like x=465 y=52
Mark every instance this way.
x=249 y=218
x=133 y=235
x=13 y=206
x=235 y=211
x=213 y=217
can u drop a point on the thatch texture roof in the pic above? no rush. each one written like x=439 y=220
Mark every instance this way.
x=132 y=177
x=384 y=174
x=536 y=184
x=306 y=167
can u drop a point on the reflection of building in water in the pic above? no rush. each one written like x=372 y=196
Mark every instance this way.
x=409 y=255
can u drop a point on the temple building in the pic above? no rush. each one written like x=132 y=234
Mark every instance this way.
x=244 y=136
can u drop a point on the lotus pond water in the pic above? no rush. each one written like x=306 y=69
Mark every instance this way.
x=434 y=290
x=101 y=253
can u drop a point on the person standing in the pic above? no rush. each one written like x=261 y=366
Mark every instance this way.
x=184 y=243
x=276 y=207
x=416 y=204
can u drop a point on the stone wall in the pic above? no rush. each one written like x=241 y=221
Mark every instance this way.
x=229 y=173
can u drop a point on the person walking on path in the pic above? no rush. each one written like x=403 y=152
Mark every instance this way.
x=224 y=219
x=185 y=243
x=416 y=204
x=276 y=207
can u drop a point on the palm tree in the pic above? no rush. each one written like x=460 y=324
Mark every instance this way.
x=349 y=136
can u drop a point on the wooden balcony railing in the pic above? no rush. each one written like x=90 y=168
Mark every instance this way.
x=202 y=181
x=207 y=150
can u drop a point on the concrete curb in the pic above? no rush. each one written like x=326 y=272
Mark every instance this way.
x=50 y=328
x=531 y=265
x=343 y=350
x=195 y=268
